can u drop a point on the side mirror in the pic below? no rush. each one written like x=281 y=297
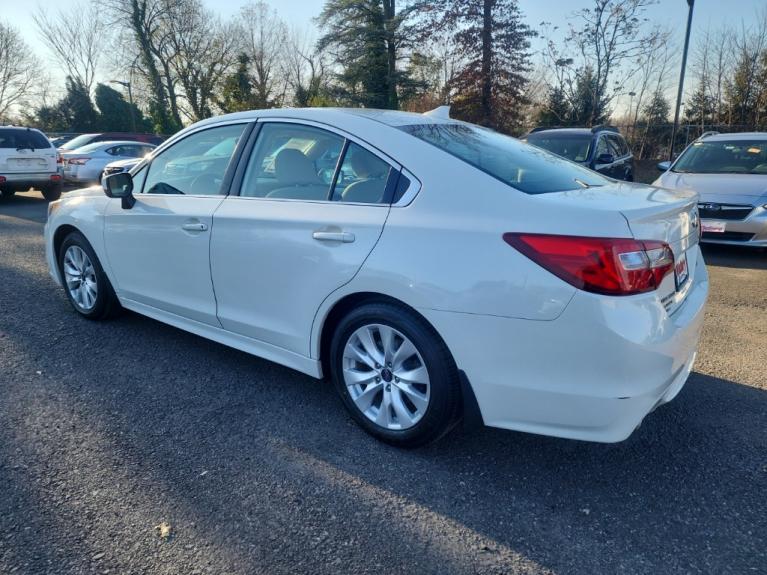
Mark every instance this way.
x=663 y=166
x=120 y=185
x=605 y=159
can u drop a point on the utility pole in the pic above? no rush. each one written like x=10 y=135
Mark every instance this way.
x=691 y=4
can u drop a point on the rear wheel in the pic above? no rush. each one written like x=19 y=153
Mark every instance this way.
x=395 y=375
x=85 y=283
x=52 y=192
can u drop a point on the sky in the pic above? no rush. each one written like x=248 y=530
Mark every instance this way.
x=300 y=13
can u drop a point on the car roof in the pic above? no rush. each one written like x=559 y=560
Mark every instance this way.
x=392 y=118
x=734 y=136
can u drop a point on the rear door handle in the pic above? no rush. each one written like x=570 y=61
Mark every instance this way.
x=343 y=237
x=194 y=227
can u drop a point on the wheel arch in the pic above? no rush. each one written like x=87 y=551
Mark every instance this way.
x=470 y=409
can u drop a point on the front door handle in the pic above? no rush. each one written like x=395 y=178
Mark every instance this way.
x=343 y=237
x=194 y=227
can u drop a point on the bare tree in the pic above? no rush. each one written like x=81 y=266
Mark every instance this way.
x=18 y=70
x=203 y=50
x=307 y=68
x=652 y=71
x=264 y=39
x=75 y=35
x=600 y=42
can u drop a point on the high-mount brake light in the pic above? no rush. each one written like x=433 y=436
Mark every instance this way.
x=610 y=266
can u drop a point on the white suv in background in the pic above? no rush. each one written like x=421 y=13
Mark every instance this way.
x=28 y=160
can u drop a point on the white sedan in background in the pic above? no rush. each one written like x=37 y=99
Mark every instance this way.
x=86 y=164
x=431 y=268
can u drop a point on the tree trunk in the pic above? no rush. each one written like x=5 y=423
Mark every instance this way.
x=486 y=79
x=391 y=53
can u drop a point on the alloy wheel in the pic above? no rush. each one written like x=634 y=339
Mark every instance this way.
x=386 y=376
x=80 y=277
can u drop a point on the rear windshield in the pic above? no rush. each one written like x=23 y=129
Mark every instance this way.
x=733 y=157
x=20 y=138
x=78 y=142
x=574 y=147
x=521 y=166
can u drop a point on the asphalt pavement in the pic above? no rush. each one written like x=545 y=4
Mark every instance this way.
x=130 y=447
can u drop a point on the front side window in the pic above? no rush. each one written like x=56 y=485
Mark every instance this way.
x=729 y=157
x=195 y=165
x=603 y=147
x=526 y=168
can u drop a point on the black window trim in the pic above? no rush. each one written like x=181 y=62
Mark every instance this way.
x=234 y=160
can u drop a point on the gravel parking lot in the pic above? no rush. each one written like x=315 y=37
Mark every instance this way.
x=108 y=430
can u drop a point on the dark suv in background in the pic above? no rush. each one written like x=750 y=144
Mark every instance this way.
x=602 y=148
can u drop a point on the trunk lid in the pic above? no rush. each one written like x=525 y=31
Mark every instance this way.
x=651 y=214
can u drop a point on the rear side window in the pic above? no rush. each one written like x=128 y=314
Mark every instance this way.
x=521 y=166
x=15 y=138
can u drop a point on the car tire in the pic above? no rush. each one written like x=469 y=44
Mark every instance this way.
x=405 y=412
x=7 y=193
x=52 y=192
x=92 y=296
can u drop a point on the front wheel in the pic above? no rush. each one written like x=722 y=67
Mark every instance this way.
x=395 y=375
x=85 y=283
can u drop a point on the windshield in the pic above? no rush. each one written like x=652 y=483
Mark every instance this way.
x=724 y=157
x=78 y=142
x=526 y=168
x=574 y=147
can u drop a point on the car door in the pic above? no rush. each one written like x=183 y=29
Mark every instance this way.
x=297 y=231
x=158 y=250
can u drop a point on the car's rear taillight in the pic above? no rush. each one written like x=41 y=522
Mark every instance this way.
x=59 y=159
x=55 y=177
x=77 y=161
x=2 y=179
x=611 y=266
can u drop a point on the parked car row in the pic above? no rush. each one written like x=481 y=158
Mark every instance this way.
x=28 y=159
x=728 y=171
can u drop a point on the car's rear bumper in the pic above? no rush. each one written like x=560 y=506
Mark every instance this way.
x=751 y=231
x=20 y=182
x=593 y=373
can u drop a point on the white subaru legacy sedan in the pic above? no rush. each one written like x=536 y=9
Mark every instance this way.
x=431 y=268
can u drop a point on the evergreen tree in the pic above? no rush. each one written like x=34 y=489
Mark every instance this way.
x=364 y=36
x=699 y=109
x=237 y=93
x=557 y=111
x=589 y=108
x=76 y=108
x=117 y=115
x=490 y=88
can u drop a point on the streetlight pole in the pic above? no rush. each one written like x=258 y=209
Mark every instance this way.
x=631 y=105
x=130 y=100
x=691 y=4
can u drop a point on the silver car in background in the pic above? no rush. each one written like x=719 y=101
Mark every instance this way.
x=729 y=172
